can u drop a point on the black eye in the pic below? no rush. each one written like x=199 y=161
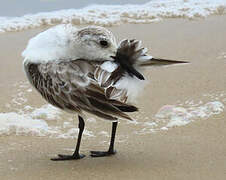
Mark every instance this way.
x=104 y=43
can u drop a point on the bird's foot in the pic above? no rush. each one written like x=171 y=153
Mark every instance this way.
x=102 y=153
x=62 y=157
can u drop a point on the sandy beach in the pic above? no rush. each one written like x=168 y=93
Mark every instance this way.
x=196 y=150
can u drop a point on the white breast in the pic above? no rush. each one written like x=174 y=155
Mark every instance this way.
x=133 y=86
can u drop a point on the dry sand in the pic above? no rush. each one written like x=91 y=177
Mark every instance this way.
x=194 y=151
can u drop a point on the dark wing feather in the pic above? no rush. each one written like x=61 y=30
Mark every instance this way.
x=127 y=54
x=77 y=85
x=131 y=54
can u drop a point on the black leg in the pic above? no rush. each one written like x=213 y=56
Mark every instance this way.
x=76 y=154
x=111 y=150
x=113 y=132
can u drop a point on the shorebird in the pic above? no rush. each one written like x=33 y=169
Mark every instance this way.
x=85 y=71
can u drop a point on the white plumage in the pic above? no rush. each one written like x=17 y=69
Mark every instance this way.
x=63 y=42
x=51 y=45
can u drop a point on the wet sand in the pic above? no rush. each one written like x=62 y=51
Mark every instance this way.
x=194 y=151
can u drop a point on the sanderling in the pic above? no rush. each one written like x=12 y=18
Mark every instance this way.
x=84 y=70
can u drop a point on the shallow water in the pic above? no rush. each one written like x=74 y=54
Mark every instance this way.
x=15 y=8
x=21 y=118
x=108 y=14
x=24 y=112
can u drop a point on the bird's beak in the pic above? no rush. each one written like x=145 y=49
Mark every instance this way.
x=112 y=56
x=161 y=62
x=127 y=66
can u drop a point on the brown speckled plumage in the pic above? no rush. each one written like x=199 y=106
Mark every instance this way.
x=76 y=86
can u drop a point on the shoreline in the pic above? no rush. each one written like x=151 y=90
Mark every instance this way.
x=117 y=13
x=196 y=150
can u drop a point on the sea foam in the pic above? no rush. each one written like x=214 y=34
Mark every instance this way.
x=49 y=121
x=109 y=15
x=180 y=116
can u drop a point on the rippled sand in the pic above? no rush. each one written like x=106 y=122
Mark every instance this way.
x=179 y=132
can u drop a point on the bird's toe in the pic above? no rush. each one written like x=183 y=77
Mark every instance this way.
x=102 y=153
x=62 y=157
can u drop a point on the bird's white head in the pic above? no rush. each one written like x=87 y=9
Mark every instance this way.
x=66 y=42
x=95 y=43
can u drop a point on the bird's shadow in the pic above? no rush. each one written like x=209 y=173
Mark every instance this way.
x=121 y=162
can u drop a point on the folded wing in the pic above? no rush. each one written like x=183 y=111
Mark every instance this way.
x=79 y=85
